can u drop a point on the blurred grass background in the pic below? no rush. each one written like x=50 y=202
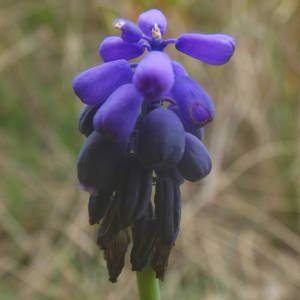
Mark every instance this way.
x=240 y=228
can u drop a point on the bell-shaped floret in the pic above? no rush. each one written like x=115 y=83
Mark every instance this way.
x=117 y=116
x=214 y=49
x=94 y=85
x=130 y=32
x=195 y=105
x=154 y=75
x=85 y=119
x=195 y=162
x=151 y=18
x=99 y=161
x=167 y=209
x=168 y=212
x=114 y=48
x=161 y=139
x=134 y=193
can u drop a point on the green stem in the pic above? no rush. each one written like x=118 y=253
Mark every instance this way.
x=148 y=284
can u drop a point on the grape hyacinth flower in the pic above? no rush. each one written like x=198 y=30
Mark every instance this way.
x=143 y=124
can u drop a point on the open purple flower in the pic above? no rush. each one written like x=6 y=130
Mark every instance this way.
x=134 y=141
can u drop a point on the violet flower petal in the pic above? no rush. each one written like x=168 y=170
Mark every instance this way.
x=114 y=48
x=117 y=116
x=214 y=49
x=195 y=162
x=149 y=18
x=94 y=85
x=195 y=105
x=154 y=75
x=130 y=32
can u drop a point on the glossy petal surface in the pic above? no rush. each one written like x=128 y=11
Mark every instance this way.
x=214 y=49
x=154 y=75
x=94 y=85
x=117 y=116
x=114 y=48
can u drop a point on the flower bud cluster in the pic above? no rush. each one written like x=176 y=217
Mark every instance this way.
x=143 y=124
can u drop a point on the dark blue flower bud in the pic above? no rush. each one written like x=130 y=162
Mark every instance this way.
x=98 y=205
x=153 y=23
x=114 y=48
x=94 y=85
x=130 y=32
x=195 y=105
x=85 y=119
x=134 y=193
x=99 y=160
x=214 y=49
x=161 y=139
x=117 y=116
x=195 y=162
x=167 y=201
x=154 y=75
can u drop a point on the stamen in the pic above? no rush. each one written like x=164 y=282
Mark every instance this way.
x=156 y=34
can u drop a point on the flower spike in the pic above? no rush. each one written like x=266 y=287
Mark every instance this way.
x=144 y=124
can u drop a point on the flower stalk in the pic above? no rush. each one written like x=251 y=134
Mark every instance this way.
x=148 y=285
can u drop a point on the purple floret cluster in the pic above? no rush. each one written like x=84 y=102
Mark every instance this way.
x=144 y=126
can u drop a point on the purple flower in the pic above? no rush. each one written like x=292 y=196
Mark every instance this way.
x=154 y=75
x=94 y=85
x=214 y=49
x=144 y=124
x=114 y=48
x=117 y=116
x=153 y=23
